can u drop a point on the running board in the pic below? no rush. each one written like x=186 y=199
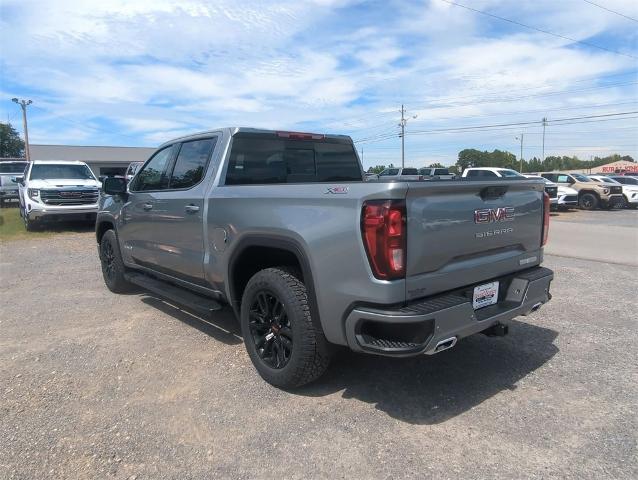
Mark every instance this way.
x=198 y=303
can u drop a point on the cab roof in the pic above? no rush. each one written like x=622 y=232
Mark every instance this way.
x=256 y=131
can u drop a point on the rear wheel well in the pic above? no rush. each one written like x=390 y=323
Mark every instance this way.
x=255 y=258
x=102 y=228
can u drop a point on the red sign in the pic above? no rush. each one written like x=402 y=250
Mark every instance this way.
x=623 y=168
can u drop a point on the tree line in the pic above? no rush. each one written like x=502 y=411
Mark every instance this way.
x=471 y=157
x=497 y=158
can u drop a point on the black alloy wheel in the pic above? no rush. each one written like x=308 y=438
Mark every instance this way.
x=112 y=265
x=270 y=329
x=108 y=261
x=588 y=201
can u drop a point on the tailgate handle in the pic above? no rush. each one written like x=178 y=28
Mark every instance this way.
x=492 y=192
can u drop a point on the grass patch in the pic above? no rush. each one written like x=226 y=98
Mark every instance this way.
x=12 y=227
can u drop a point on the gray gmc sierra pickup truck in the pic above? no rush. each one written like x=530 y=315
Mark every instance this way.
x=282 y=227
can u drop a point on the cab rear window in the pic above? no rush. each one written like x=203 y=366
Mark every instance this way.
x=260 y=159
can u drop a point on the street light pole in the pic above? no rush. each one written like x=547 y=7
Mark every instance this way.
x=544 y=123
x=24 y=104
x=402 y=125
x=521 y=159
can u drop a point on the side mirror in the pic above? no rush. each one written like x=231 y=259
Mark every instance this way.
x=114 y=186
x=101 y=178
x=571 y=180
x=17 y=180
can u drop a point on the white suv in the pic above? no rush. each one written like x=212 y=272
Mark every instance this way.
x=57 y=190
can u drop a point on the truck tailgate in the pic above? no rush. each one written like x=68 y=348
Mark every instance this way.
x=466 y=232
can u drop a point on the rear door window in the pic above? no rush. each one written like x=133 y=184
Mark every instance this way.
x=191 y=163
x=409 y=171
x=263 y=159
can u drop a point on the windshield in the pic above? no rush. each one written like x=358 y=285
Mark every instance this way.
x=12 y=167
x=44 y=171
x=389 y=171
x=627 y=180
x=581 y=178
x=608 y=180
x=509 y=173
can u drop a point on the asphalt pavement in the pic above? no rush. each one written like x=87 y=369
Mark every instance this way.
x=96 y=385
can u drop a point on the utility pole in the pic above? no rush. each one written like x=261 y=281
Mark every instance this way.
x=544 y=124
x=521 y=139
x=24 y=104
x=402 y=125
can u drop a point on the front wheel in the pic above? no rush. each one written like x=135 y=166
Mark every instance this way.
x=279 y=334
x=112 y=265
x=29 y=225
x=588 y=201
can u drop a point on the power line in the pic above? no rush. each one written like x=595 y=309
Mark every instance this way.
x=612 y=11
x=547 y=32
x=351 y=120
x=556 y=122
x=538 y=95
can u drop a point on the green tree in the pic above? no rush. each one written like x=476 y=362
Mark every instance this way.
x=377 y=169
x=11 y=145
x=436 y=165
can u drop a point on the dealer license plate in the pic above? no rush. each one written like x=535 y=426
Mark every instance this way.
x=484 y=295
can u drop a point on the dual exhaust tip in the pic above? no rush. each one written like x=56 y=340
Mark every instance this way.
x=497 y=330
x=445 y=344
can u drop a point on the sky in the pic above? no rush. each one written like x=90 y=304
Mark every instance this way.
x=141 y=72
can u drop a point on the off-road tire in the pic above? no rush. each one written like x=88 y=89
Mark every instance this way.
x=588 y=201
x=113 y=269
x=29 y=225
x=626 y=203
x=310 y=352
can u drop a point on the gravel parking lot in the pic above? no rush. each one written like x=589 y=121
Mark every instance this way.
x=96 y=385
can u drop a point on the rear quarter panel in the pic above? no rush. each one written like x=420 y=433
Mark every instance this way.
x=325 y=225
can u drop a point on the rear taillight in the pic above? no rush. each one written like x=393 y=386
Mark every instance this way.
x=383 y=227
x=545 y=218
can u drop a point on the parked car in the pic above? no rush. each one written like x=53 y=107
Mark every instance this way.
x=430 y=173
x=132 y=169
x=403 y=174
x=8 y=171
x=550 y=188
x=57 y=190
x=282 y=227
x=369 y=177
x=490 y=172
x=629 y=187
x=591 y=195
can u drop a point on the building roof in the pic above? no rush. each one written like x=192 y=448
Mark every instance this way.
x=86 y=153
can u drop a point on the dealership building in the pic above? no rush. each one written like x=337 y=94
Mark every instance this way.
x=102 y=160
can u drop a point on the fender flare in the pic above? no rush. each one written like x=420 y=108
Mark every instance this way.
x=282 y=243
x=101 y=218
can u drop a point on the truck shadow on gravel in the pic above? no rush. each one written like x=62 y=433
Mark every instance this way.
x=433 y=389
x=221 y=326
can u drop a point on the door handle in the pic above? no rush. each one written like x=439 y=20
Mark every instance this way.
x=191 y=208
x=147 y=206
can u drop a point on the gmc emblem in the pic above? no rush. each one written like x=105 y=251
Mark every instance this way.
x=70 y=194
x=489 y=215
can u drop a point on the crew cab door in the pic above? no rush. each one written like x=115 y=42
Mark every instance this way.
x=163 y=221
